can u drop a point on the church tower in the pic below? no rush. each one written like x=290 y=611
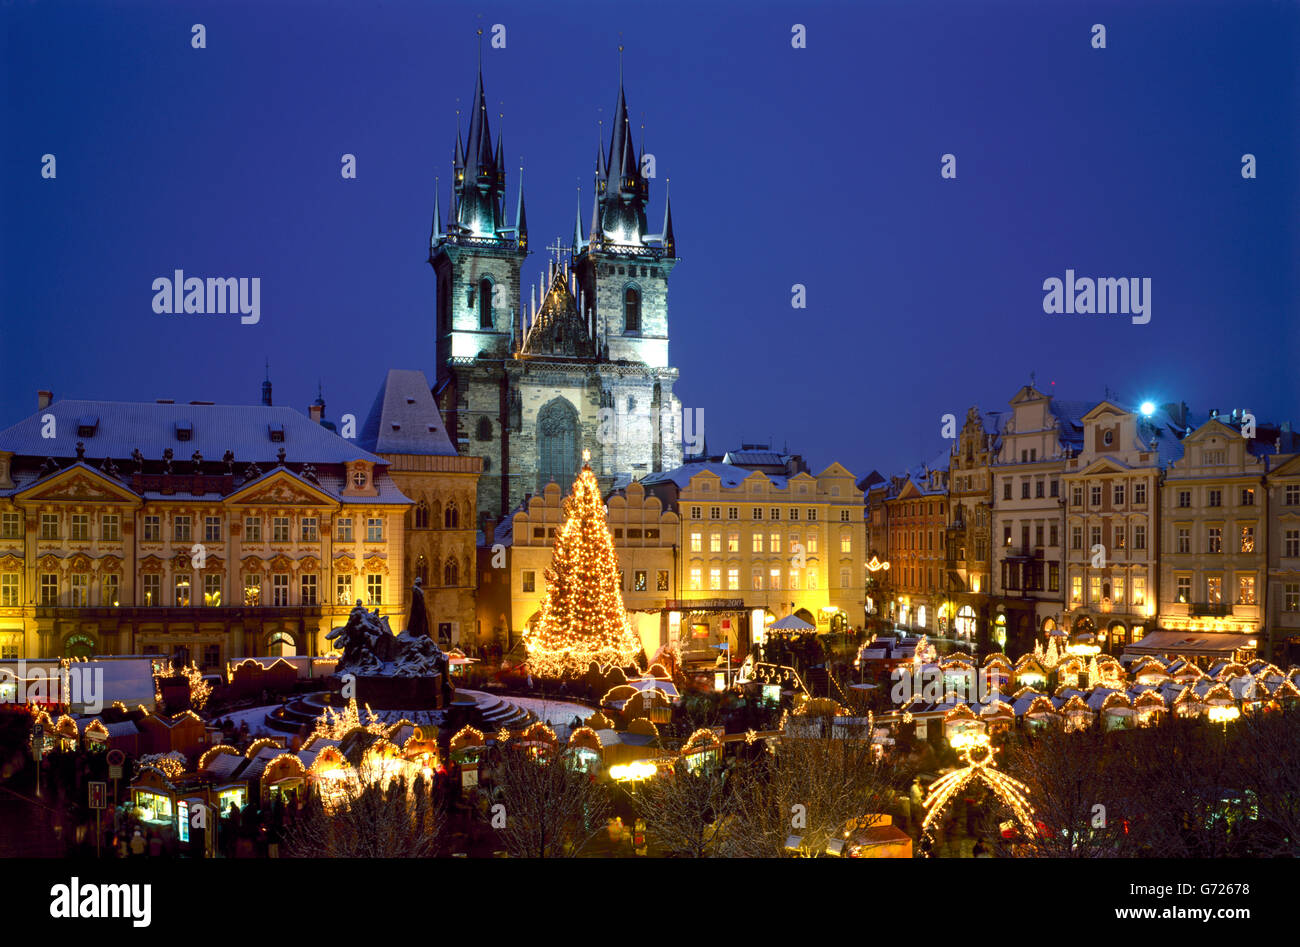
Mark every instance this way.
x=527 y=382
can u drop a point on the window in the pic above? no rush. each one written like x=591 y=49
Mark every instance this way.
x=309 y=530
x=697 y=513
x=344 y=529
x=1056 y=487
x=715 y=579
x=343 y=590
x=1216 y=498
x=774 y=542
x=1183 y=589
x=359 y=479
x=1118 y=533
x=1184 y=540
x=110 y=592
x=485 y=303
x=1006 y=489
x=756 y=543
x=1006 y=536
x=1184 y=498
x=181 y=529
x=307 y=588
x=451 y=574
x=733 y=542
x=110 y=528
x=631 y=310
x=1291 y=597
x=774 y=579
x=733 y=512
x=10 y=525
x=1094 y=495
x=1140 y=492
x=80 y=587
x=49 y=588
x=1248 y=539
x=181 y=587
x=1214 y=458
x=1117 y=591
x=1094 y=536
x=529 y=580
x=715 y=512
x=733 y=579
x=1139 y=536
x=252 y=529
x=451 y=516
x=1024 y=489
x=1054 y=576
x=1076 y=537
x=846 y=542
x=1054 y=540
x=697 y=542
x=812 y=544
x=80 y=527
x=1291 y=543
x=1076 y=496
x=775 y=513
x=1247 y=496
x=794 y=513
x=151 y=588
x=1214 y=589
x=1119 y=494
x=845 y=581
x=212 y=590
x=374 y=529
x=1094 y=589
x=661 y=580
x=1292 y=494
x=696 y=579
x=812 y=514
x=757 y=579
x=49 y=526
x=280 y=589
x=715 y=542
x=279 y=529
x=1246 y=590
x=639 y=580
x=211 y=656
x=1139 y=590
x=1038 y=536
x=1214 y=539
x=9 y=590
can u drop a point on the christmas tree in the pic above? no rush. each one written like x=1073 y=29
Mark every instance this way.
x=582 y=617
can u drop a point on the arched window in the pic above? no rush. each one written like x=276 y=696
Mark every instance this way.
x=422 y=570
x=484 y=432
x=421 y=515
x=485 y=303
x=631 y=309
x=450 y=573
x=451 y=518
x=558 y=444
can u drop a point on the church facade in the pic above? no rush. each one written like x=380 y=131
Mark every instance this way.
x=582 y=363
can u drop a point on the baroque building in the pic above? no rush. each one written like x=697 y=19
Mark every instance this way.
x=969 y=546
x=527 y=384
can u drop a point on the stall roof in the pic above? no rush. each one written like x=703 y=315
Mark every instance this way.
x=1197 y=644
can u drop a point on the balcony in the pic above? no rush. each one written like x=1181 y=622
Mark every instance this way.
x=1209 y=609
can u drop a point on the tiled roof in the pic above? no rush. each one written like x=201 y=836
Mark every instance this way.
x=405 y=419
x=731 y=475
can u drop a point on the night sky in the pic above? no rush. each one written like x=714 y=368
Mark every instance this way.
x=817 y=166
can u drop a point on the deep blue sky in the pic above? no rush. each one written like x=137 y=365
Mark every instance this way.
x=816 y=166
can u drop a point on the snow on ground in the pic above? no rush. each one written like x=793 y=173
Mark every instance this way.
x=256 y=718
x=558 y=713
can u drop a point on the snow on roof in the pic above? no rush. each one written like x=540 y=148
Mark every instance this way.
x=125 y=426
x=730 y=475
x=405 y=419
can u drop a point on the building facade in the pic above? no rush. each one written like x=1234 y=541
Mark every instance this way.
x=583 y=363
x=1282 y=535
x=210 y=532
x=969 y=544
x=917 y=513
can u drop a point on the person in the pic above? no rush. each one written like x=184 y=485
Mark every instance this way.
x=137 y=844
x=155 y=845
x=979 y=851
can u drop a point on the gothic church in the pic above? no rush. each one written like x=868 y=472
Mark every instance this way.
x=583 y=363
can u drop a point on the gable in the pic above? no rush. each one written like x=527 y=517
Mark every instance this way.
x=78 y=483
x=280 y=488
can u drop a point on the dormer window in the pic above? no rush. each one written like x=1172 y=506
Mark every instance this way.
x=276 y=432
x=184 y=430
x=1108 y=438
x=87 y=425
x=359 y=479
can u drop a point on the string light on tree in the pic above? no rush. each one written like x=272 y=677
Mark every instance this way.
x=582 y=616
x=975 y=750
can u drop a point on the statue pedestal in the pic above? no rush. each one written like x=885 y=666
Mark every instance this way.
x=400 y=693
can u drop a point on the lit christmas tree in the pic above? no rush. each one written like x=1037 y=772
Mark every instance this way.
x=582 y=618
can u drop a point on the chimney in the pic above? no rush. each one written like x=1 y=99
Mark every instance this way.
x=43 y=399
x=489 y=530
x=316 y=411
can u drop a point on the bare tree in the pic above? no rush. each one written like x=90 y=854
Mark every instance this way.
x=685 y=811
x=551 y=809
x=369 y=817
x=1268 y=752
x=810 y=786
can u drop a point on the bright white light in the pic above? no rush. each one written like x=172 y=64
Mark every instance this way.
x=1148 y=408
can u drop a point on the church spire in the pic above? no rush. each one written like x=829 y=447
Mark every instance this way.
x=521 y=219
x=437 y=214
x=670 y=245
x=622 y=189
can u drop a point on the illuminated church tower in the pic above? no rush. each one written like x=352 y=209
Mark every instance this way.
x=529 y=378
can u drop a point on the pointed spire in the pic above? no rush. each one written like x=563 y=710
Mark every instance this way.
x=593 y=235
x=577 y=223
x=437 y=214
x=600 y=149
x=458 y=159
x=670 y=245
x=521 y=219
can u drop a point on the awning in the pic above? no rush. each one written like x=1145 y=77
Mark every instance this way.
x=1191 y=643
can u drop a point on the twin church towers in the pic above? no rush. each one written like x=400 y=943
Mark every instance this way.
x=530 y=377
